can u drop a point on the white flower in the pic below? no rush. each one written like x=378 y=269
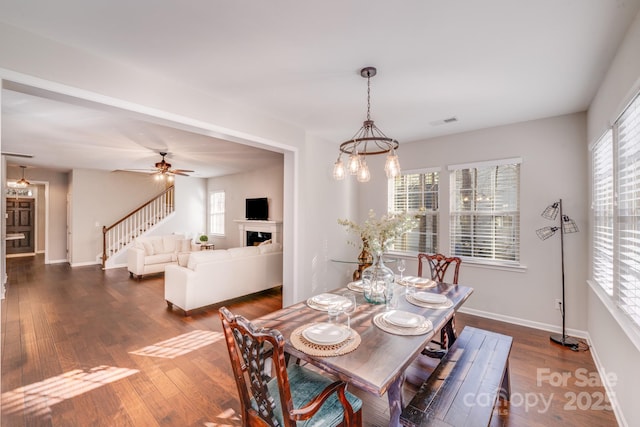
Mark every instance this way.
x=379 y=233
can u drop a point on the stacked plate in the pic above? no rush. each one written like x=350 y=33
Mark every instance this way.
x=429 y=300
x=418 y=282
x=357 y=286
x=402 y=323
x=326 y=334
x=322 y=301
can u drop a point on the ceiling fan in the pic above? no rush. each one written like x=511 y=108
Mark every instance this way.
x=162 y=169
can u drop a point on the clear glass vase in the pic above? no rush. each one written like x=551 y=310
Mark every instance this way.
x=377 y=281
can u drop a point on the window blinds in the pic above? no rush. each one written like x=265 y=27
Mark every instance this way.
x=416 y=193
x=485 y=211
x=602 y=204
x=628 y=188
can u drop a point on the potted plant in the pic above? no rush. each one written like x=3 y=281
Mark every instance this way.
x=204 y=238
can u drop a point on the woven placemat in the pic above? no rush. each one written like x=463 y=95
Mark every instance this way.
x=383 y=324
x=419 y=303
x=312 y=349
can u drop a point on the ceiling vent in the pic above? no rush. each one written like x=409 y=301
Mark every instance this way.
x=444 y=121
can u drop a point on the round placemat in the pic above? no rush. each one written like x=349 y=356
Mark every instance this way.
x=306 y=346
x=383 y=324
x=419 y=303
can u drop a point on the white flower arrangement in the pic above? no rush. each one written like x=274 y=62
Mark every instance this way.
x=379 y=233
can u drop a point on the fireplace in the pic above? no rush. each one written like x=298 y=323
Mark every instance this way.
x=258 y=231
x=254 y=238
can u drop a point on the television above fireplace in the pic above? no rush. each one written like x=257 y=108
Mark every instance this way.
x=257 y=209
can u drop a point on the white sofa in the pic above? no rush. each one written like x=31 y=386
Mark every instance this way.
x=151 y=254
x=214 y=276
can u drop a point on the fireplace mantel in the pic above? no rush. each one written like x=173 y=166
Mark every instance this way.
x=273 y=227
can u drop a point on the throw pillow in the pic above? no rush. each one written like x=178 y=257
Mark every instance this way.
x=169 y=243
x=266 y=242
x=148 y=248
x=158 y=246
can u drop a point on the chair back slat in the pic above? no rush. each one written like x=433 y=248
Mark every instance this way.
x=438 y=266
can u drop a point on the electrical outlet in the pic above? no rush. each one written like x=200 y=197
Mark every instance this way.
x=558 y=304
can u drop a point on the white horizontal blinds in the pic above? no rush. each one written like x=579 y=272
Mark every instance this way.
x=602 y=175
x=216 y=212
x=416 y=193
x=628 y=188
x=485 y=212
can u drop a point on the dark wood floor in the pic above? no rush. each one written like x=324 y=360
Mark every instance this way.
x=83 y=347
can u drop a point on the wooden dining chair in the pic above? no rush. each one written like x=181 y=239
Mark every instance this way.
x=438 y=266
x=295 y=396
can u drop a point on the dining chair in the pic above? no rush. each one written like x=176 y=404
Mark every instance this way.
x=438 y=266
x=295 y=396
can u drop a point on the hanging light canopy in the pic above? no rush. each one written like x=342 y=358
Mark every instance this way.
x=369 y=140
x=22 y=182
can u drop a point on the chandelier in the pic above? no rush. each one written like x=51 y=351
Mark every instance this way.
x=22 y=182
x=368 y=141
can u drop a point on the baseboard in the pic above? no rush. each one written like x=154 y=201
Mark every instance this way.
x=82 y=264
x=524 y=322
x=611 y=394
x=56 y=261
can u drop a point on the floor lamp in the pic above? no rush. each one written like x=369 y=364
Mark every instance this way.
x=567 y=225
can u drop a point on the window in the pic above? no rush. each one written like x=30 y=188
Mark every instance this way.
x=485 y=211
x=602 y=167
x=216 y=212
x=417 y=193
x=616 y=211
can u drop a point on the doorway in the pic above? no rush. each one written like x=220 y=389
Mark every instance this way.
x=20 y=223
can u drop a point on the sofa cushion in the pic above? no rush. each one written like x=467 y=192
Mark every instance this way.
x=148 y=248
x=183 y=245
x=169 y=243
x=158 y=246
x=158 y=258
x=243 y=251
x=199 y=257
x=271 y=247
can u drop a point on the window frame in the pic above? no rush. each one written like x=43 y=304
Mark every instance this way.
x=456 y=232
x=433 y=213
x=213 y=213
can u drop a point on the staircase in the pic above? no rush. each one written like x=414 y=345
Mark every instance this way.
x=134 y=224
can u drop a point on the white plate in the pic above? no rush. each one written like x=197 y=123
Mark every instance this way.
x=326 y=333
x=326 y=299
x=430 y=298
x=404 y=319
x=357 y=285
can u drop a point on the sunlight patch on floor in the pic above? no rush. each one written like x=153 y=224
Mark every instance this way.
x=37 y=398
x=228 y=418
x=180 y=345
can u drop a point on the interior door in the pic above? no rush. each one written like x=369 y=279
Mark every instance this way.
x=20 y=221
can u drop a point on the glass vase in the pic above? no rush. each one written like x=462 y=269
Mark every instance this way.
x=377 y=281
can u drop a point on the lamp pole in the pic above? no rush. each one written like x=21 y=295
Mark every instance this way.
x=563 y=339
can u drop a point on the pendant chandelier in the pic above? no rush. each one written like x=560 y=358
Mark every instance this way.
x=368 y=141
x=22 y=182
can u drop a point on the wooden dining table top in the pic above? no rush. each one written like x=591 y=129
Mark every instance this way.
x=382 y=357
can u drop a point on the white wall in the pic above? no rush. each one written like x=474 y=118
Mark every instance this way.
x=609 y=330
x=553 y=153
x=266 y=182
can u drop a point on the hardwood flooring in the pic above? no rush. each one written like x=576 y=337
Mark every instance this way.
x=86 y=347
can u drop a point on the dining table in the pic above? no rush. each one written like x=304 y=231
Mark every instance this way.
x=379 y=362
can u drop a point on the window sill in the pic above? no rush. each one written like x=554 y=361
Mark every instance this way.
x=630 y=329
x=519 y=268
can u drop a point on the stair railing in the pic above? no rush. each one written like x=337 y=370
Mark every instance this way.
x=121 y=233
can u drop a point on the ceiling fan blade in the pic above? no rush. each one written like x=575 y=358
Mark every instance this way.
x=181 y=170
x=178 y=173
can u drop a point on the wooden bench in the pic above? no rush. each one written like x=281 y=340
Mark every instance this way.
x=464 y=387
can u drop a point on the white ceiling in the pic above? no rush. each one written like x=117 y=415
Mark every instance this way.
x=487 y=63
